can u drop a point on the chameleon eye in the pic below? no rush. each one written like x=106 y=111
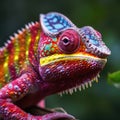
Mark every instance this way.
x=69 y=41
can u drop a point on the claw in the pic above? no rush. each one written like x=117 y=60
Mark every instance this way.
x=59 y=109
x=57 y=115
x=46 y=114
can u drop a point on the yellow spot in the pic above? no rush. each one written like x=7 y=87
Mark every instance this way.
x=37 y=37
x=28 y=40
x=6 y=69
x=36 y=41
x=16 y=54
x=16 y=57
x=26 y=53
x=6 y=64
x=16 y=51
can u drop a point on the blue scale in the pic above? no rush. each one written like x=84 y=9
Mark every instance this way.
x=53 y=23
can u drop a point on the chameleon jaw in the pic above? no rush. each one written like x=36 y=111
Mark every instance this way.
x=80 y=87
x=70 y=72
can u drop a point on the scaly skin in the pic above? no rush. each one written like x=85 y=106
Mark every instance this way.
x=47 y=57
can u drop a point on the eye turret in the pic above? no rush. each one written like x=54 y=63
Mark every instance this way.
x=69 y=41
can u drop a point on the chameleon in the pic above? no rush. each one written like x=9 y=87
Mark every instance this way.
x=47 y=57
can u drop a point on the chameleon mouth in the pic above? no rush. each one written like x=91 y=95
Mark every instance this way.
x=64 y=57
x=82 y=86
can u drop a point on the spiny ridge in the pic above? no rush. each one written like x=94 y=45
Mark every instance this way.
x=15 y=35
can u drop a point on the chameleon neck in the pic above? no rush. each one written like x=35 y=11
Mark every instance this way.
x=18 y=52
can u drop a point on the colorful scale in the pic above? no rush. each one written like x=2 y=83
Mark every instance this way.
x=17 y=52
x=48 y=45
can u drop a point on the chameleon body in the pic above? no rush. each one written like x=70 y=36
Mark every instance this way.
x=47 y=57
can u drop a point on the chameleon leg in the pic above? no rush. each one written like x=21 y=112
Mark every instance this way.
x=9 y=111
x=14 y=91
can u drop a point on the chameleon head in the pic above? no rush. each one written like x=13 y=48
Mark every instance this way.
x=69 y=56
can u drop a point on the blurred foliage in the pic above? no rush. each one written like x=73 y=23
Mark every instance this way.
x=102 y=101
x=114 y=79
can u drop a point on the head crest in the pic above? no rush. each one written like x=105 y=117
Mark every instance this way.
x=53 y=23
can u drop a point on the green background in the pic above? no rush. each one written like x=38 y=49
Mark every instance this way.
x=102 y=101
